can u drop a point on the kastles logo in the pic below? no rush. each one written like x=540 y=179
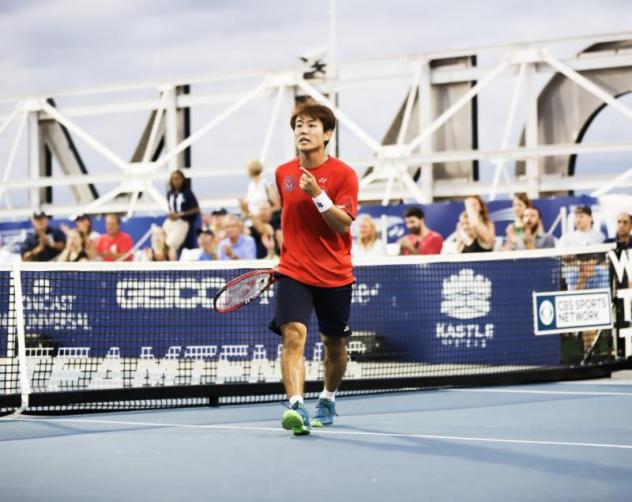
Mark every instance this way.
x=466 y=295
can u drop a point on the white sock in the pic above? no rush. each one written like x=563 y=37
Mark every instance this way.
x=325 y=394
x=296 y=399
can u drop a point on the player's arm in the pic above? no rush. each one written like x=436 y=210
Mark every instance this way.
x=337 y=219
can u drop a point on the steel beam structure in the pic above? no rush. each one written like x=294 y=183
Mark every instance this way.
x=522 y=65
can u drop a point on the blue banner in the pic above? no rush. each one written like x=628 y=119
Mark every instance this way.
x=461 y=313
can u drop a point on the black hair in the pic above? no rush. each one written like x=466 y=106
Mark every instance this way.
x=186 y=184
x=417 y=212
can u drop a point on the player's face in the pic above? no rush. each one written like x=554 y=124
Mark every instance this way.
x=309 y=135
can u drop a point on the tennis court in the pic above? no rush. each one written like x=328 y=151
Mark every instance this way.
x=556 y=441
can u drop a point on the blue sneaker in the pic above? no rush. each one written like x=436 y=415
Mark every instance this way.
x=296 y=419
x=325 y=412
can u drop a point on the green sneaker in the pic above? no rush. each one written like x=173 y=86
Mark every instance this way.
x=296 y=419
x=325 y=413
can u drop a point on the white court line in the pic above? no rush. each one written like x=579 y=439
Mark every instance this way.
x=330 y=432
x=554 y=392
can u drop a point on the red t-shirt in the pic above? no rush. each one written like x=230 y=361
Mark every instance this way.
x=120 y=243
x=313 y=253
x=431 y=243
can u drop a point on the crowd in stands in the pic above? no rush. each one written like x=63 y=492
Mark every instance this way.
x=254 y=232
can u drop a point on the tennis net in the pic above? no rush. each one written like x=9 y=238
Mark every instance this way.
x=103 y=336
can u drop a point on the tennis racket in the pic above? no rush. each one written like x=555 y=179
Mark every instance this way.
x=242 y=290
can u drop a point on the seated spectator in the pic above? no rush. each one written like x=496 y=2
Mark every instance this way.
x=584 y=233
x=261 y=224
x=83 y=224
x=475 y=232
x=515 y=229
x=260 y=190
x=75 y=247
x=183 y=212
x=45 y=243
x=236 y=245
x=420 y=239
x=532 y=235
x=115 y=244
x=159 y=250
x=368 y=242
x=624 y=226
x=584 y=271
x=270 y=243
x=207 y=245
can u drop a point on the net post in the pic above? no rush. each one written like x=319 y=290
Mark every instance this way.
x=25 y=385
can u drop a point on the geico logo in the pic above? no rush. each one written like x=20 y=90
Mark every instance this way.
x=185 y=293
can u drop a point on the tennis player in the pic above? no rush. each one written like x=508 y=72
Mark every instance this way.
x=319 y=196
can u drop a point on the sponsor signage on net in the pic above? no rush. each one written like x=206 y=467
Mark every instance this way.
x=571 y=311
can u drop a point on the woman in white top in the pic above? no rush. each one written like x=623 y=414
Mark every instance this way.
x=367 y=244
x=260 y=189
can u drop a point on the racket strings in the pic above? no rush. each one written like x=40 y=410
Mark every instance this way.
x=242 y=292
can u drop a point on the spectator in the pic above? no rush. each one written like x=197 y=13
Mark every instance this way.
x=420 y=239
x=207 y=245
x=624 y=226
x=368 y=243
x=45 y=244
x=75 y=247
x=515 y=230
x=532 y=235
x=159 y=250
x=260 y=190
x=262 y=227
x=83 y=224
x=183 y=211
x=236 y=245
x=584 y=271
x=270 y=243
x=115 y=244
x=475 y=232
x=584 y=233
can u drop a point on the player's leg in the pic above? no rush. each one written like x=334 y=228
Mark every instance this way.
x=294 y=304
x=335 y=361
x=292 y=362
x=333 y=307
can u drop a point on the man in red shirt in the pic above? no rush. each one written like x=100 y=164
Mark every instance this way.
x=420 y=239
x=114 y=245
x=319 y=195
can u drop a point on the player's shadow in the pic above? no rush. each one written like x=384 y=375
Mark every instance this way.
x=498 y=455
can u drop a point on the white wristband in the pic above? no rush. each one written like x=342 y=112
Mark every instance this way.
x=323 y=202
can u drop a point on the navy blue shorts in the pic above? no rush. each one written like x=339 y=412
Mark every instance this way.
x=295 y=302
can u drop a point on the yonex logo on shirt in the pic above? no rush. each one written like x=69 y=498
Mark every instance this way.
x=289 y=184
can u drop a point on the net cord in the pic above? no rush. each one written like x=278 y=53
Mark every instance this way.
x=92 y=266
x=25 y=385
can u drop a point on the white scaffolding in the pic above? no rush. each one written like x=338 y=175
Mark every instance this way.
x=390 y=176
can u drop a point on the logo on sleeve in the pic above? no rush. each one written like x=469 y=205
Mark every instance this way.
x=289 y=184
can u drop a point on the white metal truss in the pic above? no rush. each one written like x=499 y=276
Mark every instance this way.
x=390 y=163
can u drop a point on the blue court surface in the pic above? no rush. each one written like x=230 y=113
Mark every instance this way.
x=562 y=441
